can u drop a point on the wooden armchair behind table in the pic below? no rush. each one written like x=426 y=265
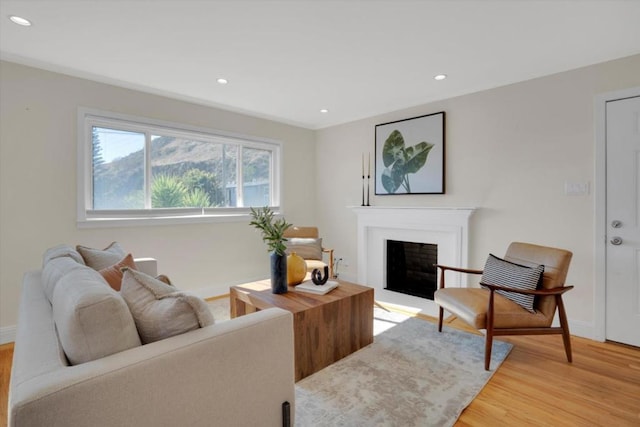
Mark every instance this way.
x=306 y=243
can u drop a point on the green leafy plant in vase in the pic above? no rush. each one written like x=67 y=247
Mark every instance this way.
x=272 y=231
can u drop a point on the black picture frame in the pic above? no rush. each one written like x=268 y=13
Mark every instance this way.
x=399 y=150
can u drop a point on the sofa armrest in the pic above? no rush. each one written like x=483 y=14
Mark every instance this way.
x=147 y=265
x=236 y=372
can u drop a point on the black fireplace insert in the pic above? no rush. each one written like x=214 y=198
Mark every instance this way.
x=411 y=269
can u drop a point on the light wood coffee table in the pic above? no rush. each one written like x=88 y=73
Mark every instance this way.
x=326 y=327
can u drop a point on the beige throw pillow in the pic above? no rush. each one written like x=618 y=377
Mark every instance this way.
x=92 y=320
x=159 y=310
x=54 y=270
x=102 y=258
x=59 y=252
x=307 y=248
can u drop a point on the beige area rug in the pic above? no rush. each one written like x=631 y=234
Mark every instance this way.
x=220 y=309
x=411 y=375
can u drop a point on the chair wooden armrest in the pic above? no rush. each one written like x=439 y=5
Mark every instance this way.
x=459 y=269
x=444 y=268
x=540 y=292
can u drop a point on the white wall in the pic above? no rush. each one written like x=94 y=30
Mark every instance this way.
x=38 y=114
x=509 y=152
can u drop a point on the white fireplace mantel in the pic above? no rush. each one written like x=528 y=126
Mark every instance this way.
x=446 y=227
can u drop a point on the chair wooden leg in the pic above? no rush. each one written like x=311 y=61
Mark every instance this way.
x=489 y=339
x=564 y=324
x=440 y=316
x=487 y=349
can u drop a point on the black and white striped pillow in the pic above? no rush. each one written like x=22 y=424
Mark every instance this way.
x=504 y=273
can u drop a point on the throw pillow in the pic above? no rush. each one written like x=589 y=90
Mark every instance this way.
x=101 y=258
x=92 y=320
x=307 y=248
x=54 y=270
x=113 y=273
x=499 y=272
x=159 y=310
x=61 y=251
x=164 y=278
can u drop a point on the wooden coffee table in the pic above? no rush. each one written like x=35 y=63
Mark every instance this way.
x=326 y=327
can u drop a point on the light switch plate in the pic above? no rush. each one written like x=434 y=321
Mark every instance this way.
x=572 y=188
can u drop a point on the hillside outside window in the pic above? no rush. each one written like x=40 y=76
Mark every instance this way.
x=137 y=170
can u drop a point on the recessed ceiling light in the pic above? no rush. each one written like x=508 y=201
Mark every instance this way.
x=20 y=21
x=440 y=77
x=324 y=111
x=222 y=81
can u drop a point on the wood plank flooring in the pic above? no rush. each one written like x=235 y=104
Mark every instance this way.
x=535 y=386
x=6 y=356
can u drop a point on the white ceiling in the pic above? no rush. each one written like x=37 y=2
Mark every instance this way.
x=285 y=60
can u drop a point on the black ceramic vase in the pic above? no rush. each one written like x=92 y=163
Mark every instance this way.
x=278 y=273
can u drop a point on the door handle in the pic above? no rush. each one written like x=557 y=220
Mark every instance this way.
x=616 y=241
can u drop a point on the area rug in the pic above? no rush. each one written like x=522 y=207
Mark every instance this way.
x=411 y=375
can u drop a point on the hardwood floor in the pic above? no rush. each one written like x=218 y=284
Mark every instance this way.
x=6 y=355
x=535 y=386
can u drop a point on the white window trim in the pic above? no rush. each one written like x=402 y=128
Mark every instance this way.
x=86 y=218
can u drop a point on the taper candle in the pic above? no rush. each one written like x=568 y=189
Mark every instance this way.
x=369 y=170
x=363 y=165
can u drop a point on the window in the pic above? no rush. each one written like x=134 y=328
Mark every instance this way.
x=133 y=169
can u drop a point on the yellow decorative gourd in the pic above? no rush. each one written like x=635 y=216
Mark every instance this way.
x=296 y=269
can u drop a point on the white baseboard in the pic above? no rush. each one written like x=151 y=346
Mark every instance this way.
x=583 y=329
x=7 y=334
x=217 y=290
x=210 y=291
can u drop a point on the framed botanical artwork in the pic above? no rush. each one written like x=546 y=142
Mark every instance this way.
x=409 y=156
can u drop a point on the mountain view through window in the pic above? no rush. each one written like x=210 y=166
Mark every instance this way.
x=183 y=173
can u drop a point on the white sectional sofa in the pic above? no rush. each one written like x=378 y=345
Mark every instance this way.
x=233 y=373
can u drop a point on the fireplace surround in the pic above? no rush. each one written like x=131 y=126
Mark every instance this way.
x=448 y=228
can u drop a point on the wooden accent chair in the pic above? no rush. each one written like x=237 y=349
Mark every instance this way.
x=483 y=308
x=307 y=250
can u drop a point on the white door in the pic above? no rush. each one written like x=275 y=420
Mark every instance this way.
x=623 y=221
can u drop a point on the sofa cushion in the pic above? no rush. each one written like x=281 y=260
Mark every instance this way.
x=306 y=248
x=54 y=270
x=61 y=251
x=92 y=320
x=113 y=273
x=101 y=258
x=159 y=310
x=504 y=273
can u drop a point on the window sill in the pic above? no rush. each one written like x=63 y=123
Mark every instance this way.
x=159 y=220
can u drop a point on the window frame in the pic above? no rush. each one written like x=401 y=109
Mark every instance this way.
x=87 y=217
